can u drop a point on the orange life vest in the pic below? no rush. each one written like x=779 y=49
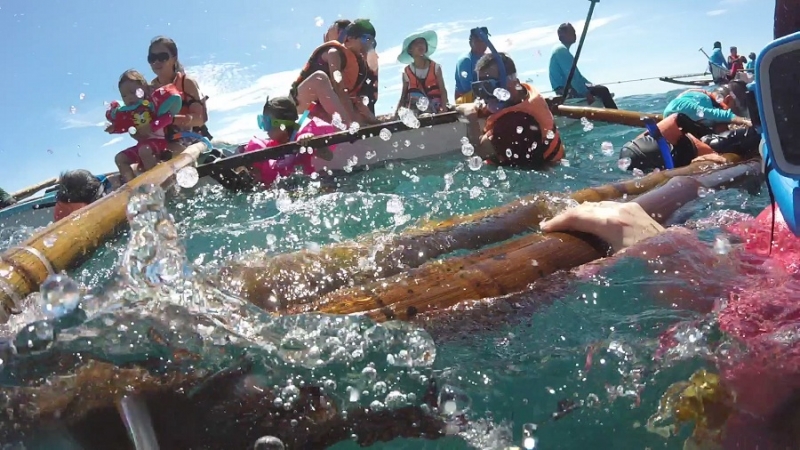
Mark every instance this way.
x=672 y=133
x=63 y=209
x=535 y=106
x=428 y=87
x=354 y=68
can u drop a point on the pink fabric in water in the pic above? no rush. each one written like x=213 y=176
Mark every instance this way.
x=271 y=169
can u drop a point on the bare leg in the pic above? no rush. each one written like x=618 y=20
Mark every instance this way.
x=148 y=157
x=126 y=172
x=318 y=88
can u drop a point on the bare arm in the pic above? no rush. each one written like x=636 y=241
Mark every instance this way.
x=403 y=94
x=471 y=113
x=442 y=88
x=196 y=116
x=334 y=60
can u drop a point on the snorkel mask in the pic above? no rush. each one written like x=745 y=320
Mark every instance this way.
x=777 y=71
x=266 y=124
x=487 y=90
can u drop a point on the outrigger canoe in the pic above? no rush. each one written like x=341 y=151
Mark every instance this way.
x=696 y=79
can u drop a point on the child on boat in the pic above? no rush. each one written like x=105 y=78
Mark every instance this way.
x=137 y=117
x=423 y=84
x=334 y=76
x=280 y=121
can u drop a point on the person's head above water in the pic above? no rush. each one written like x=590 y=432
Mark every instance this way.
x=359 y=36
x=336 y=30
x=476 y=43
x=78 y=186
x=566 y=34
x=133 y=87
x=162 y=56
x=279 y=118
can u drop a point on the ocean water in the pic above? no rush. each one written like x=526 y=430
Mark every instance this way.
x=585 y=342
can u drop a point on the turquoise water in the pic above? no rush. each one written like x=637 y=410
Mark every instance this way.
x=517 y=363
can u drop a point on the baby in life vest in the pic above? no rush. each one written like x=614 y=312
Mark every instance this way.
x=280 y=121
x=423 y=84
x=144 y=115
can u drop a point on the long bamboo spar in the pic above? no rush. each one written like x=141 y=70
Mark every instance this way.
x=273 y=281
x=509 y=267
x=617 y=116
x=65 y=243
x=30 y=190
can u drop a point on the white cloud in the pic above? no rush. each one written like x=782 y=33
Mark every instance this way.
x=716 y=12
x=113 y=141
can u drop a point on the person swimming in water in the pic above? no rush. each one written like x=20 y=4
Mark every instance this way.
x=762 y=371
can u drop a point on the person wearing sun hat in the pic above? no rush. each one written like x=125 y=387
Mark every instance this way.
x=423 y=84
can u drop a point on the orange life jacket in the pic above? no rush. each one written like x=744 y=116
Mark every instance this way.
x=354 y=68
x=428 y=87
x=672 y=133
x=63 y=209
x=535 y=106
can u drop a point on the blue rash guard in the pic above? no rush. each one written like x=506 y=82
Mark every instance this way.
x=751 y=66
x=466 y=65
x=718 y=58
x=699 y=107
x=560 y=64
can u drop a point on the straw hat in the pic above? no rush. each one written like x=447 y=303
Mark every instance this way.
x=430 y=38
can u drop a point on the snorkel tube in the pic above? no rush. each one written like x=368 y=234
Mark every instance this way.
x=777 y=91
x=479 y=88
x=663 y=145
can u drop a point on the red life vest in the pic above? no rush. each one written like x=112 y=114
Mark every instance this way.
x=427 y=87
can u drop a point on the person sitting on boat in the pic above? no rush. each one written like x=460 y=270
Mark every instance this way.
x=280 y=121
x=79 y=188
x=369 y=88
x=561 y=61
x=520 y=129
x=151 y=144
x=716 y=109
x=686 y=140
x=465 y=67
x=333 y=77
x=336 y=31
x=717 y=65
x=423 y=84
x=163 y=59
x=6 y=199
x=751 y=64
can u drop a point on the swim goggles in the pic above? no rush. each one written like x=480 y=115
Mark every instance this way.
x=267 y=123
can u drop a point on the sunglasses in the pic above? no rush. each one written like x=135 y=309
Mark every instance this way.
x=266 y=123
x=160 y=57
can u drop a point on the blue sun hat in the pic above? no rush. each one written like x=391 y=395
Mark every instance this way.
x=429 y=36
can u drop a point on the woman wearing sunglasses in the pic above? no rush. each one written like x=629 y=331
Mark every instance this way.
x=163 y=59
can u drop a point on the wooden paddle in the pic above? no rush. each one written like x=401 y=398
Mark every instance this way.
x=222 y=169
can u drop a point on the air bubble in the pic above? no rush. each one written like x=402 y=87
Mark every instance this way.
x=467 y=149
x=187 y=177
x=475 y=163
x=385 y=134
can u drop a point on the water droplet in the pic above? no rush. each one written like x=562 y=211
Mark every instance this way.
x=336 y=120
x=370 y=154
x=529 y=440
x=702 y=192
x=587 y=126
x=407 y=143
x=519 y=130
x=353 y=394
x=501 y=174
x=187 y=177
x=475 y=162
x=501 y=94
x=354 y=127
x=337 y=76
x=385 y=134
x=82 y=96
x=475 y=192
x=423 y=103
x=453 y=401
x=283 y=202
x=268 y=443
x=132 y=130
x=464 y=140
x=73 y=110
x=607 y=148
x=408 y=118
x=376 y=405
x=313 y=247
x=722 y=245
x=509 y=152
x=464 y=74
x=271 y=239
x=395 y=206
x=50 y=240
x=700 y=112
x=565 y=162
x=365 y=100
x=396 y=399
x=550 y=135
x=60 y=295
x=395 y=144
x=318 y=21
x=467 y=149
x=637 y=173
x=140 y=93
x=624 y=163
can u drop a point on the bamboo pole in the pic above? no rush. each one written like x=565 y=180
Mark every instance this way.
x=277 y=281
x=509 y=267
x=69 y=241
x=30 y=190
x=617 y=116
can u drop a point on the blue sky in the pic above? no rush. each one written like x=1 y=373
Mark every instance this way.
x=63 y=58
